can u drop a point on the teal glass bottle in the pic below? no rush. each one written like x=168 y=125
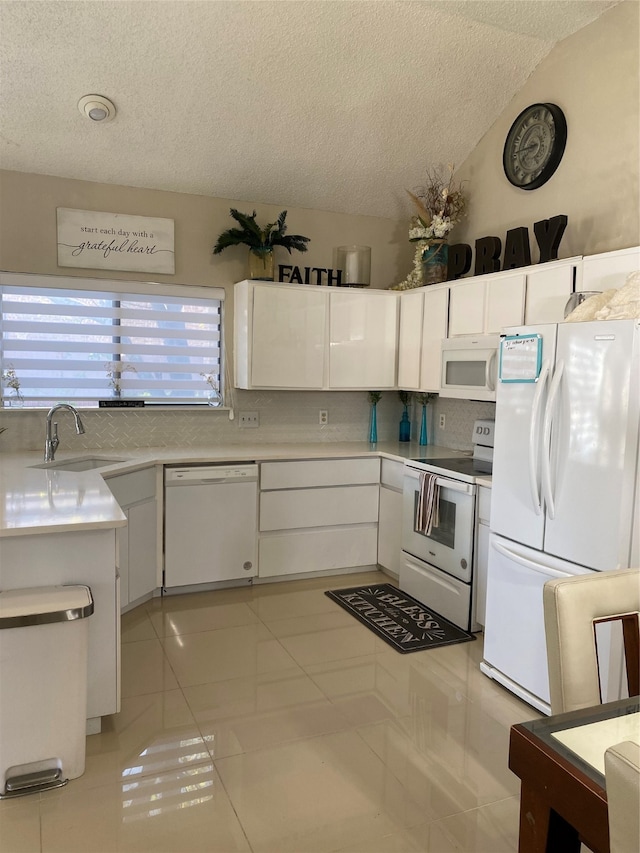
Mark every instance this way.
x=404 y=433
x=424 y=435
x=373 y=425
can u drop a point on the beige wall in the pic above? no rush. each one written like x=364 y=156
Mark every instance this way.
x=28 y=205
x=594 y=76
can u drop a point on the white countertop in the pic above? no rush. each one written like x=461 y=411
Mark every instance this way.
x=36 y=500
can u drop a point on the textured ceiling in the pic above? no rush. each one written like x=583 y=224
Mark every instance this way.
x=330 y=104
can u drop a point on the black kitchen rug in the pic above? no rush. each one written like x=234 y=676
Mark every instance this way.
x=397 y=618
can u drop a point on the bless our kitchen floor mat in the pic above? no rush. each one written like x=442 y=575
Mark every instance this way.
x=397 y=618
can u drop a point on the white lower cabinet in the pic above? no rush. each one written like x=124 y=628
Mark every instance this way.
x=312 y=521
x=137 y=542
x=390 y=516
x=482 y=552
x=80 y=556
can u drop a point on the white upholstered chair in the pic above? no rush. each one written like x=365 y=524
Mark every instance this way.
x=572 y=607
x=622 y=772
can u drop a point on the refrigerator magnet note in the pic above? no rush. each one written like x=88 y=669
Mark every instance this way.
x=520 y=358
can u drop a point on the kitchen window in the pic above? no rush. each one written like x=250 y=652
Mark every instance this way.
x=86 y=340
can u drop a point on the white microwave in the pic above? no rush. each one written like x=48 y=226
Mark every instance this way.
x=469 y=367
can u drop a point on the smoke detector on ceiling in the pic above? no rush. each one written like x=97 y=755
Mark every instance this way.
x=97 y=108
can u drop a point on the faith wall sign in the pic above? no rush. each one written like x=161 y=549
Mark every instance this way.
x=115 y=241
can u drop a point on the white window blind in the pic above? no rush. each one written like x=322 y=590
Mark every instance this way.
x=86 y=345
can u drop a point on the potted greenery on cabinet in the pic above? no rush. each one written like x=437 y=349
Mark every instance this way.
x=261 y=242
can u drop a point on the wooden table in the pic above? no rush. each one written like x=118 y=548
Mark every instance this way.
x=563 y=800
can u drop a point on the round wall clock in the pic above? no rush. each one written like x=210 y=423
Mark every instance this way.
x=534 y=146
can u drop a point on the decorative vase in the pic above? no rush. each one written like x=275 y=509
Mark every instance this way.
x=373 y=425
x=261 y=264
x=435 y=259
x=404 y=433
x=15 y=401
x=424 y=433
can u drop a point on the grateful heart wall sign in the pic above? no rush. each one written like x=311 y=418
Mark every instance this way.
x=114 y=241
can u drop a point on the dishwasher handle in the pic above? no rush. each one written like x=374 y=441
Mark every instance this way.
x=211 y=474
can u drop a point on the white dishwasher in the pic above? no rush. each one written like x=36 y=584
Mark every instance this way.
x=210 y=527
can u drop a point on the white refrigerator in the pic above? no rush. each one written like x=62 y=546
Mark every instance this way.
x=565 y=483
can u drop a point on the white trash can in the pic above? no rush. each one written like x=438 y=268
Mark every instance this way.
x=44 y=634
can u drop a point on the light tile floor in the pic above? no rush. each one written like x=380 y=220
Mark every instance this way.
x=267 y=719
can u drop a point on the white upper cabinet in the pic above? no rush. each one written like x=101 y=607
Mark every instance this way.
x=280 y=334
x=304 y=337
x=484 y=305
x=363 y=337
x=608 y=270
x=548 y=288
x=423 y=324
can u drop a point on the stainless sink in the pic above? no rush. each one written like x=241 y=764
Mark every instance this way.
x=83 y=463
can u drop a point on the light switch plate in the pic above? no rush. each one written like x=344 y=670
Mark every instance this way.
x=248 y=420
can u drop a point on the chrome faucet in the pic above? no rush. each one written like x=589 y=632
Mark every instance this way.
x=52 y=441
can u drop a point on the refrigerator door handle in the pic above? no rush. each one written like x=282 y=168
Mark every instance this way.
x=546 y=441
x=534 y=433
x=488 y=373
x=529 y=564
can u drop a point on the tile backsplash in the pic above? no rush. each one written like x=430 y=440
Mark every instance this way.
x=285 y=416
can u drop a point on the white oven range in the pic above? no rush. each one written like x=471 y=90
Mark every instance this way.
x=437 y=568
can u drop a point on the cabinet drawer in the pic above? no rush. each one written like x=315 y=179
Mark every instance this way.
x=317 y=550
x=133 y=488
x=391 y=474
x=319 y=472
x=288 y=510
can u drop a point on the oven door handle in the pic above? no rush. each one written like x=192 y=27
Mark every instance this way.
x=444 y=483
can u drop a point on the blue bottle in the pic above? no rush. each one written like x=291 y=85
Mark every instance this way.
x=404 y=433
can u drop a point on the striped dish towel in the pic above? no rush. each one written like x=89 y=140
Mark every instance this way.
x=428 y=506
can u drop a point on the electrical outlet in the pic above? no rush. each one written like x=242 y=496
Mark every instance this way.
x=323 y=417
x=248 y=420
x=442 y=421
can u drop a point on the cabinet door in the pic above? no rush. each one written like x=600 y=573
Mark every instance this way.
x=390 y=530
x=466 y=312
x=505 y=303
x=142 y=549
x=547 y=292
x=608 y=269
x=363 y=333
x=410 y=340
x=434 y=329
x=288 y=337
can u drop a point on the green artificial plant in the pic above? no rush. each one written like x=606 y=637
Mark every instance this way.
x=259 y=240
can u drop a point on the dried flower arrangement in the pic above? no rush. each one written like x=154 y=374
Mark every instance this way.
x=215 y=397
x=440 y=205
x=115 y=369
x=374 y=397
x=10 y=378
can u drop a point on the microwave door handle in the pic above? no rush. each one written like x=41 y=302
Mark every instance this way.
x=534 y=437
x=488 y=373
x=546 y=440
